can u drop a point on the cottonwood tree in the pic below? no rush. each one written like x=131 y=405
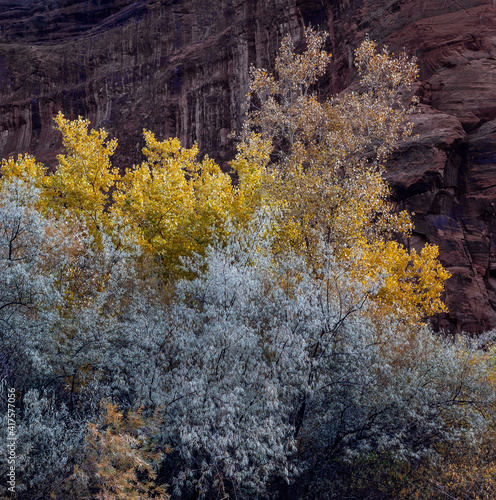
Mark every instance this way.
x=328 y=164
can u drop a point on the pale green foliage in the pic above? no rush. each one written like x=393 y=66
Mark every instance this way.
x=59 y=330
x=32 y=251
x=268 y=372
x=260 y=368
x=48 y=437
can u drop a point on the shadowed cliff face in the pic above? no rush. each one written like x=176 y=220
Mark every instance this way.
x=448 y=175
x=181 y=68
x=178 y=68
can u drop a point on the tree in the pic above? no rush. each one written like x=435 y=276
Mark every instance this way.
x=84 y=176
x=269 y=330
x=31 y=249
x=327 y=172
x=174 y=202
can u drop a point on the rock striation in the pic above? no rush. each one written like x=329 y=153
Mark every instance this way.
x=181 y=68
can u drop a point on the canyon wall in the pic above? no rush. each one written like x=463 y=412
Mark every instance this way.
x=181 y=68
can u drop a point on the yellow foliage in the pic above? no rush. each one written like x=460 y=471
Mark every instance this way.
x=173 y=202
x=250 y=165
x=84 y=177
x=330 y=155
x=176 y=204
x=319 y=164
x=24 y=168
x=327 y=176
x=411 y=283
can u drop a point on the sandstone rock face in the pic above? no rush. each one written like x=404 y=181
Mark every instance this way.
x=181 y=68
x=178 y=68
x=448 y=175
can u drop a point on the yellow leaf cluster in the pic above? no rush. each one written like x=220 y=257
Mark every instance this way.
x=328 y=163
x=171 y=205
x=410 y=282
x=24 y=168
x=175 y=203
x=84 y=177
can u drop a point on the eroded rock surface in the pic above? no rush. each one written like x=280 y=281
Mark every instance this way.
x=448 y=175
x=181 y=68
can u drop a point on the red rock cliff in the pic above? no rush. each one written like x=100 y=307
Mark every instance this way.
x=180 y=68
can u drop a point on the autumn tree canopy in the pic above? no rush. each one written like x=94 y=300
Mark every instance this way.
x=328 y=172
